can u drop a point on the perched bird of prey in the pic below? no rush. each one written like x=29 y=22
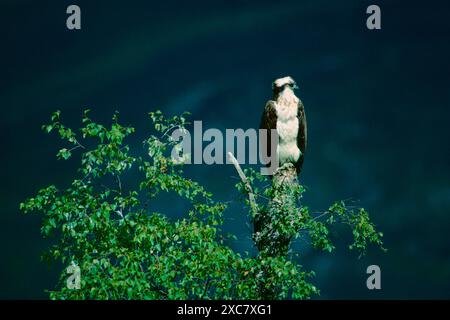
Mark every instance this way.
x=286 y=113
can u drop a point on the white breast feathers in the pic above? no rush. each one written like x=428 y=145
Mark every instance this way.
x=287 y=127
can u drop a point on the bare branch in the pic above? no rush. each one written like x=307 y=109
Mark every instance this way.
x=251 y=195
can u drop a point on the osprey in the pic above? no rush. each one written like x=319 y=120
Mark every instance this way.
x=286 y=114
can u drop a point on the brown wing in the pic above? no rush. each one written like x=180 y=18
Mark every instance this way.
x=268 y=122
x=302 y=136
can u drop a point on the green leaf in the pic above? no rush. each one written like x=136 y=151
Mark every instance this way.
x=64 y=154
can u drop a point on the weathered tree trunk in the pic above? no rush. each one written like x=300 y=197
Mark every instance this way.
x=273 y=228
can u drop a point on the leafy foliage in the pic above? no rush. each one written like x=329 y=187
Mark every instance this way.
x=127 y=251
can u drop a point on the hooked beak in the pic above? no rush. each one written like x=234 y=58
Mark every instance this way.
x=295 y=86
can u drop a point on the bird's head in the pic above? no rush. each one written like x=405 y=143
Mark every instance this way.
x=282 y=83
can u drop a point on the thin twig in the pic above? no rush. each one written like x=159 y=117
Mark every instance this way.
x=122 y=207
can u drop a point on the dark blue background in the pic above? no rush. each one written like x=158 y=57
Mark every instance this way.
x=377 y=104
